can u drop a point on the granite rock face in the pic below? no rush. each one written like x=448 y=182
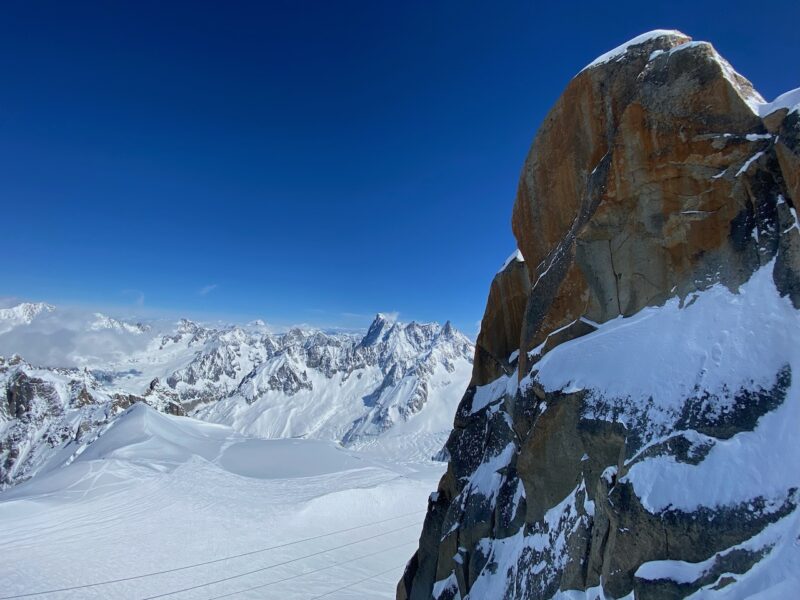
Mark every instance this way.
x=499 y=335
x=639 y=442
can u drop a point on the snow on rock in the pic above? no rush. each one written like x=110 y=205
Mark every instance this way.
x=620 y=50
x=771 y=577
x=494 y=392
x=105 y=322
x=660 y=356
x=515 y=256
x=22 y=314
x=788 y=100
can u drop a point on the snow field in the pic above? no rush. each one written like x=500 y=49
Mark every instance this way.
x=203 y=512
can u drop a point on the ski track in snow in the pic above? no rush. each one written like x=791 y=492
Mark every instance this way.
x=157 y=492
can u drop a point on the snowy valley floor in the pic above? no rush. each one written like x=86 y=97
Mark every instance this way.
x=171 y=507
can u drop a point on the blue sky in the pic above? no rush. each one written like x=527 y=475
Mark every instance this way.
x=299 y=161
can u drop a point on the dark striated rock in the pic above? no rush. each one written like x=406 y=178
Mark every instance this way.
x=21 y=392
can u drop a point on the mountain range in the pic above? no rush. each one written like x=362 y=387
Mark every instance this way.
x=393 y=387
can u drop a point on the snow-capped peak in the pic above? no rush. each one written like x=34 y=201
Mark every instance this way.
x=25 y=312
x=102 y=321
x=623 y=48
x=22 y=314
x=515 y=256
x=378 y=328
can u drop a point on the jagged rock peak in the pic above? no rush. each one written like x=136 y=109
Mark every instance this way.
x=632 y=181
x=380 y=326
x=656 y=214
x=302 y=382
x=448 y=330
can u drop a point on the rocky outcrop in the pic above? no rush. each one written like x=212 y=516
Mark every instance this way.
x=502 y=321
x=642 y=184
x=53 y=412
x=660 y=188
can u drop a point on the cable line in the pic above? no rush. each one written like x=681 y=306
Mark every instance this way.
x=272 y=566
x=201 y=564
x=349 y=585
x=336 y=564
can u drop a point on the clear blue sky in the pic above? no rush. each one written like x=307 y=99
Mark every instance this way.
x=300 y=161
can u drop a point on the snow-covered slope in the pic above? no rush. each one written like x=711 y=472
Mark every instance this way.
x=97 y=468
x=50 y=413
x=161 y=504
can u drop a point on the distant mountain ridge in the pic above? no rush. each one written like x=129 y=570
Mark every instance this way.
x=350 y=388
x=22 y=314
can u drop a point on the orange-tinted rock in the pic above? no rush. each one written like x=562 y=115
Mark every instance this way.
x=637 y=187
x=652 y=177
x=502 y=323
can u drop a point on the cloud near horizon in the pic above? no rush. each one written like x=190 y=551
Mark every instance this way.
x=138 y=296
x=207 y=289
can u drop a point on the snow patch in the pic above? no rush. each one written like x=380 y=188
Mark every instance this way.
x=515 y=256
x=748 y=162
x=505 y=385
x=666 y=353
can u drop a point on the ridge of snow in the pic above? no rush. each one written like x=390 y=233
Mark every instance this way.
x=161 y=483
x=789 y=100
x=105 y=322
x=623 y=48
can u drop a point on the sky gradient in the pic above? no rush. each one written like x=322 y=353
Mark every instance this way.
x=308 y=162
